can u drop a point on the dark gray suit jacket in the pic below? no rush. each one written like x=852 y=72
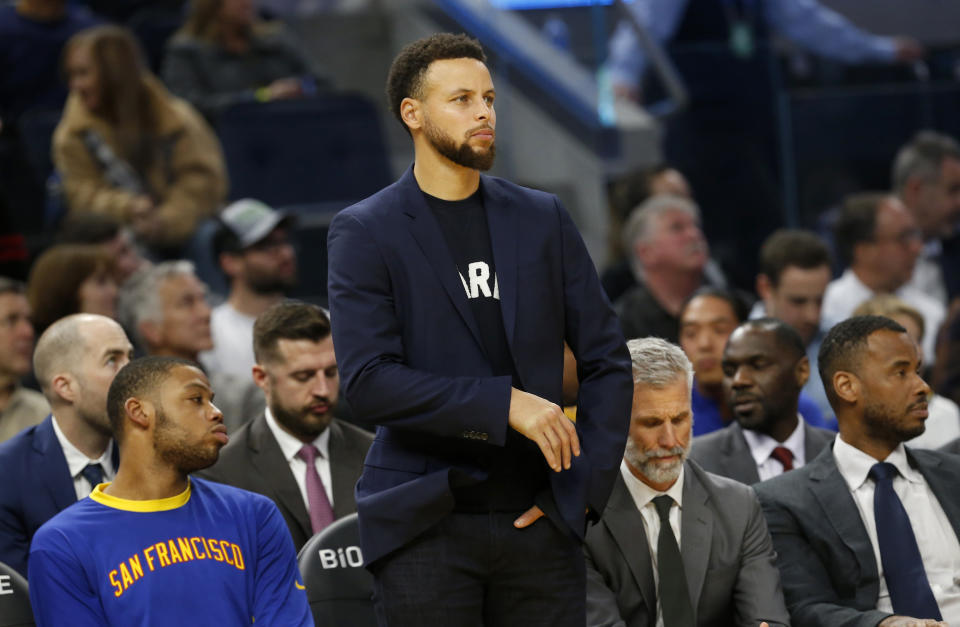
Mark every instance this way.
x=830 y=575
x=727 y=557
x=253 y=461
x=953 y=446
x=726 y=452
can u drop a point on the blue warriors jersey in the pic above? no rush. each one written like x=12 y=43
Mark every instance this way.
x=213 y=555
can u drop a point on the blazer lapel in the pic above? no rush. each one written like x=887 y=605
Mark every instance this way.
x=50 y=464
x=696 y=532
x=429 y=237
x=501 y=218
x=268 y=461
x=943 y=480
x=626 y=526
x=738 y=458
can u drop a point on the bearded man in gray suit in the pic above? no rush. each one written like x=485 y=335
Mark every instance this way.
x=668 y=522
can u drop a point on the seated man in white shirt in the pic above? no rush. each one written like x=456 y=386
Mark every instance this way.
x=866 y=533
x=712 y=563
x=297 y=372
x=765 y=367
x=50 y=466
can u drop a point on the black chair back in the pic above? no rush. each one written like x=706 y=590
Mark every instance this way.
x=15 y=610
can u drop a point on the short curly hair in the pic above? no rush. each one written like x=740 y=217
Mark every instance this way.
x=405 y=79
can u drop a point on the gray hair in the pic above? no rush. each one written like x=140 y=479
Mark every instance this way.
x=658 y=363
x=923 y=157
x=139 y=298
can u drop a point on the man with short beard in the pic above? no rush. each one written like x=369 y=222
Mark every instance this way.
x=676 y=546
x=155 y=547
x=50 y=466
x=452 y=295
x=255 y=253
x=296 y=452
x=866 y=533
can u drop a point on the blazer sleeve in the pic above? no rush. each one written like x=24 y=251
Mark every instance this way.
x=603 y=366
x=367 y=333
x=757 y=594
x=806 y=583
x=602 y=610
x=14 y=539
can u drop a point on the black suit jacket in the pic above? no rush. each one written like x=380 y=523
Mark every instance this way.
x=830 y=575
x=727 y=557
x=253 y=461
x=726 y=452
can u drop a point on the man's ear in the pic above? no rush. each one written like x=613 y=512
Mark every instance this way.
x=230 y=264
x=65 y=386
x=802 y=371
x=411 y=113
x=150 y=332
x=261 y=378
x=765 y=289
x=847 y=386
x=139 y=411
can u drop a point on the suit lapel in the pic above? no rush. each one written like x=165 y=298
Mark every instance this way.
x=943 y=480
x=268 y=461
x=50 y=464
x=696 y=532
x=426 y=231
x=813 y=442
x=626 y=526
x=738 y=458
x=502 y=217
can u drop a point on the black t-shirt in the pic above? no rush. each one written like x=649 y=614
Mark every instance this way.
x=517 y=471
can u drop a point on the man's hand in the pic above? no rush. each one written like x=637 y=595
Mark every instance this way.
x=909 y=621
x=544 y=423
x=908 y=49
x=529 y=517
x=285 y=89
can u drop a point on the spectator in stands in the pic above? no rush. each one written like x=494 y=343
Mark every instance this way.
x=626 y=194
x=58 y=462
x=224 y=55
x=865 y=533
x=71 y=278
x=103 y=561
x=108 y=233
x=255 y=253
x=879 y=241
x=165 y=310
x=794 y=273
x=20 y=407
x=765 y=368
x=926 y=177
x=127 y=148
x=943 y=423
x=296 y=452
x=646 y=559
x=669 y=253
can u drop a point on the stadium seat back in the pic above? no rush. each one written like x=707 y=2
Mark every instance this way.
x=15 y=610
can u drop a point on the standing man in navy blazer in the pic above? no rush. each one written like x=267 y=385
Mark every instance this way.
x=451 y=295
x=51 y=466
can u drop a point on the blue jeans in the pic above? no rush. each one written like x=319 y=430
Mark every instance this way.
x=473 y=570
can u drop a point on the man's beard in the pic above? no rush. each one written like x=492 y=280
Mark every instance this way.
x=168 y=442
x=882 y=424
x=645 y=464
x=462 y=155
x=269 y=283
x=295 y=420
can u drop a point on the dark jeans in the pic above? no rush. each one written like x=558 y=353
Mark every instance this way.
x=474 y=570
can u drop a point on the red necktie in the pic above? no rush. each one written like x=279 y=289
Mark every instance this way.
x=783 y=455
x=321 y=514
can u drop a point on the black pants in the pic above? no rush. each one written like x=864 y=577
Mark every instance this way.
x=474 y=570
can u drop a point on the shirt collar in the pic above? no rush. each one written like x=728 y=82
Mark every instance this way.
x=643 y=494
x=855 y=465
x=77 y=460
x=290 y=445
x=762 y=445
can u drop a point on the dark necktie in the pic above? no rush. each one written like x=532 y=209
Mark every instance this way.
x=321 y=514
x=903 y=569
x=673 y=593
x=783 y=455
x=93 y=473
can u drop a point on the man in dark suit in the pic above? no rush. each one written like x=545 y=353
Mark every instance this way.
x=866 y=533
x=297 y=371
x=52 y=465
x=725 y=564
x=452 y=295
x=765 y=367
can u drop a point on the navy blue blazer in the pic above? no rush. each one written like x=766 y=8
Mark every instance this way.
x=412 y=360
x=36 y=486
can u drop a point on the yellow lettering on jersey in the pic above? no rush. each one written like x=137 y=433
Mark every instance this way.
x=185 y=549
x=214 y=547
x=135 y=568
x=206 y=546
x=125 y=576
x=146 y=555
x=237 y=556
x=225 y=547
x=196 y=551
x=298 y=585
x=162 y=554
x=115 y=583
x=174 y=553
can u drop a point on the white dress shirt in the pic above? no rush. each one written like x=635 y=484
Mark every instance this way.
x=939 y=548
x=844 y=294
x=77 y=461
x=762 y=445
x=290 y=446
x=643 y=496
